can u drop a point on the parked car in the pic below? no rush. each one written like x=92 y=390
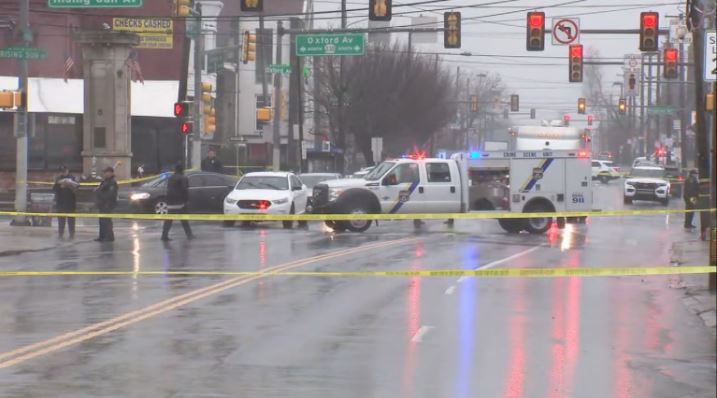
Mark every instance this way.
x=647 y=183
x=206 y=193
x=267 y=193
x=603 y=171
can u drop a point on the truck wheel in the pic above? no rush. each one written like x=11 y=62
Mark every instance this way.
x=626 y=200
x=538 y=225
x=357 y=225
x=512 y=225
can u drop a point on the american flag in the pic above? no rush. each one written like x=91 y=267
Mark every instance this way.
x=69 y=64
x=134 y=69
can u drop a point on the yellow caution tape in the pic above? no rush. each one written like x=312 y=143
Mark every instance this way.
x=346 y=217
x=97 y=183
x=481 y=273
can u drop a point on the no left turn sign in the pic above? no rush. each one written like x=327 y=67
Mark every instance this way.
x=566 y=31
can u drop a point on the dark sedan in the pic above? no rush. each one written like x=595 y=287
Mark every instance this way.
x=206 y=193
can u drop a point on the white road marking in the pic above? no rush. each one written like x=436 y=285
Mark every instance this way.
x=450 y=290
x=418 y=337
x=502 y=260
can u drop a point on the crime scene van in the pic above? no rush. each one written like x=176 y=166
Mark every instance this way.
x=533 y=181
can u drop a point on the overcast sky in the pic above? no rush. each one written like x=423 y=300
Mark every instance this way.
x=544 y=87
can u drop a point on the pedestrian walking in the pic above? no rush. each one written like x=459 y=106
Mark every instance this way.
x=691 y=194
x=106 y=201
x=65 y=201
x=211 y=163
x=177 y=198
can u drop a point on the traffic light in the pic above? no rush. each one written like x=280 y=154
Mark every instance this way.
x=252 y=5
x=182 y=8
x=474 y=103
x=209 y=114
x=452 y=29
x=576 y=63
x=566 y=120
x=535 y=40
x=379 y=10
x=181 y=109
x=581 y=106
x=649 y=26
x=514 y=103
x=263 y=115
x=709 y=102
x=185 y=128
x=670 y=58
x=631 y=82
x=590 y=120
x=622 y=106
x=248 y=47
x=532 y=113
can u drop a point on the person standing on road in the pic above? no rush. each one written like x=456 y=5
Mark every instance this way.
x=177 y=198
x=691 y=194
x=106 y=200
x=65 y=201
x=211 y=163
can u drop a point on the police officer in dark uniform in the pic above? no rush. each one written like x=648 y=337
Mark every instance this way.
x=65 y=200
x=211 y=163
x=691 y=194
x=106 y=201
x=177 y=200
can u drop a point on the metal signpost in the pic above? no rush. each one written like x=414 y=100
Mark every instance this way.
x=23 y=53
x=566 y=31
x=311 y=45
x=94 y=3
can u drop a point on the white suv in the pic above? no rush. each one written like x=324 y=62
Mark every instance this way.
x=647 y=183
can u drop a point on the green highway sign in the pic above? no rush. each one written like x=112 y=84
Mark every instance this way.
x=23 y=53
x=215 y=60
x=284 y=69
x=94 y=3
x=310 y=45
x=660 y=110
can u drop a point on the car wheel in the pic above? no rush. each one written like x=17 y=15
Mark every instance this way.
x=626 y=200
x=288 y=223
x=538 y=225
x=161 y=206
x=228 y=223
x=512 y=225
x=604 y=179
x=357 y=225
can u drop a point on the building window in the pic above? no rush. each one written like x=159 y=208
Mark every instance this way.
x=100 y=140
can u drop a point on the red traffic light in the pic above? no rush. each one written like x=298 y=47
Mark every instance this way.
x=185 y=128
x=649 y=19
x=576 y=51
x=670 y=54
x=536 y=19
x=181 y=109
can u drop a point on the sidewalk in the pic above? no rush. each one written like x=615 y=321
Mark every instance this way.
x=698 y=299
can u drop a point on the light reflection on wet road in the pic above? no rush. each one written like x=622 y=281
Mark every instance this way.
x=360 y=337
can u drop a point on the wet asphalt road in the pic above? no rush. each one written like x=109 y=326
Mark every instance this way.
x=279 y=336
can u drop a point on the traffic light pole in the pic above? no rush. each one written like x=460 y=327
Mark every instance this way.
x=197 y=111
x=275 y=103
x=20 y=122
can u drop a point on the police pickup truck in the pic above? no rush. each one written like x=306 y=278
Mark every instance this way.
x=534 y=181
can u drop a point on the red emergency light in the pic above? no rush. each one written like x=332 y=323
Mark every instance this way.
x=583 y=154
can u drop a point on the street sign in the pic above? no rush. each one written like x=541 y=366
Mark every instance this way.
x=710 y=56
x=94 y=3
x=154 y=32
x=215 y=60
x=330 y=44
x=191 y=28
x=23 y=53
x=660 y=110
x=284 y=69
x=633 y=62
x=566 y=31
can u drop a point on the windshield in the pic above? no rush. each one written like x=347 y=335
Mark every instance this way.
x=650 y=173
x=156 y=182
x=379 y=171
x=263 y=182
x=311 y=180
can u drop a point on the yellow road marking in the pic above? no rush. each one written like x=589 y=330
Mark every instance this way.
x=23 y=354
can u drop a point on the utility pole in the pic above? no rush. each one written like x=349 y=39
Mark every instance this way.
x=683 y=104
x=649 y=141
x=198 y=61
x=276 y=153
x=643 y=128
x=340 y=100
x=20 y=122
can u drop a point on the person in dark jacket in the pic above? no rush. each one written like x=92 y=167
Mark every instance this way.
x=177 y=198
x=211 y=163
x=65 y=200
x=106 y=201
x=691 y=194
